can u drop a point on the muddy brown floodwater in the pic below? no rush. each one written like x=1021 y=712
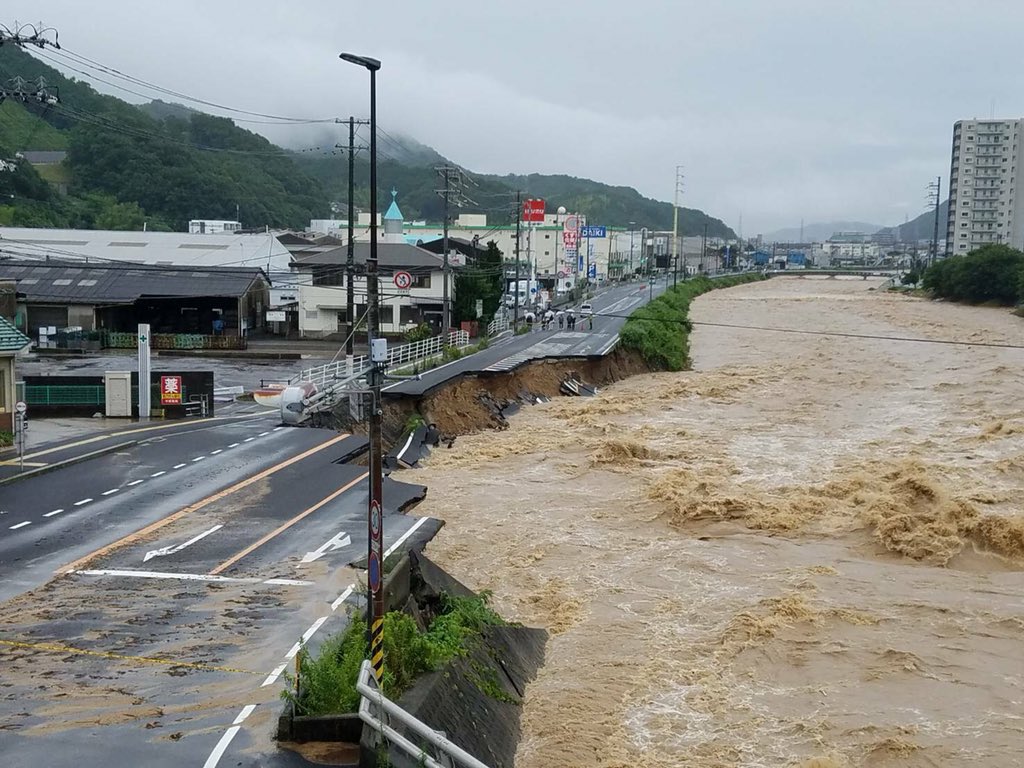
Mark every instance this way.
x=808 y=551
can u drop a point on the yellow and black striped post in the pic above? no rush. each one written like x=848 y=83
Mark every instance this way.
x=377 y=648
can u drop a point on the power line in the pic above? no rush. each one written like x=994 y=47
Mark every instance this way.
x=95 y=65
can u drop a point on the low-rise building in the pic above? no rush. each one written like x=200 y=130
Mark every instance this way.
x=12 y=341
x=117 y=297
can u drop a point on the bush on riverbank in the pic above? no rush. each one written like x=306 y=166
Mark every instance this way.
x=660 y=330
x=327 y=681
x=990 y=273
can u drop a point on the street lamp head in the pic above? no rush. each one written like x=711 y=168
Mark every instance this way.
x=363 y=61
x=561 y=210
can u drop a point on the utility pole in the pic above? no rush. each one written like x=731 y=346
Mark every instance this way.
x=453 y=192
x=935 y=196
x=704 y=248
x=675 y=228
x=519 y=219
x=632 y=227
x=350 y=254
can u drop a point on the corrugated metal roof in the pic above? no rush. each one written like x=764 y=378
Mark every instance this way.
x=80 y=283
x=389 y=256
x=178 y=248
x=11 y=339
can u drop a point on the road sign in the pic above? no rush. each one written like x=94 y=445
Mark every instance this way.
x=20 y=406
x=373 y=571
x=572 y=223
x=562 y=273
x=374 y=519
x=593 y=271
x=403 y=281
x=594 y=232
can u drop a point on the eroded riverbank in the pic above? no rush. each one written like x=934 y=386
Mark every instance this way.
x=809 y=547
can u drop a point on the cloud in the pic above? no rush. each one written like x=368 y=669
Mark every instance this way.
x=778 y=110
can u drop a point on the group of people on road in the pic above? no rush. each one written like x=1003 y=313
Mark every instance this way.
x=546 y=320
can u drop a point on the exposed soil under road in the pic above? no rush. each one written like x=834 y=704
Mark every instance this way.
x=808 y=551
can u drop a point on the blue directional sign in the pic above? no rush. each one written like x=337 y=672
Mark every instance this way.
x=593 y=270
x=593 y=232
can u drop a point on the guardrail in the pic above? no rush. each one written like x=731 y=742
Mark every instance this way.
x=373 y=697
x=499 y=324
x=406 y=353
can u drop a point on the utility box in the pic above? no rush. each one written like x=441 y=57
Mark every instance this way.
x=379 y=350
x=118 y=388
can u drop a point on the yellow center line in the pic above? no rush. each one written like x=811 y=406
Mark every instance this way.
x=61 y=648
x=79 y=564
x=285 y=526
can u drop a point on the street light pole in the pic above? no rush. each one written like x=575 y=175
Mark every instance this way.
x=375 y=556
x=632 y=226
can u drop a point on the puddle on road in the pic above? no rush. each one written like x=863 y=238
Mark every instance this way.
x=809 y=551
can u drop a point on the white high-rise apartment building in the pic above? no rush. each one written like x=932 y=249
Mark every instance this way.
x=984 y=181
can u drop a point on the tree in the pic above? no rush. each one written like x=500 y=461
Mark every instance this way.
x=989 y=273
x=480 y=280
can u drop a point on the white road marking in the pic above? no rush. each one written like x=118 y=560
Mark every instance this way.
x=222 y=745
x=405 y=447
x=21 y=525
x=191 y=577
x=404 y=536
x=55 y=512
x=343 y=597
x=198 y=458
x=179 y=466
x=214 y=453
x=161 y=472
x=233 y=445
x=248 y=439
x=111 y=491
x=261 y=434
x=313 y=628
x=136 y=482
x=275 y=674
x=83 y=501
x=275 y=429
x=246 y=711
x=340 y=541
x=172 y=549
x=293 y=651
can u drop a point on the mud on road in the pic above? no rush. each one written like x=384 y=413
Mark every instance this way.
x=808 y=551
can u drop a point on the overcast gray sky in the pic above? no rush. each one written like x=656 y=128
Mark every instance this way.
x=778 y=109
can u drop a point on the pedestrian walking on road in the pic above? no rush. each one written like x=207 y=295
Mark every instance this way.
x=529 y=318
x=549 y=318
x=570 y=320
x=561 y=319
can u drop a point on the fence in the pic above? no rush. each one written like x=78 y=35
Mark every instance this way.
x=499 y=324
x=398 y=355
x=65 y=394
x=118 y=340
x=376 y=710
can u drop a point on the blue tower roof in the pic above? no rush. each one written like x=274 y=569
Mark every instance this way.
x=394 y=213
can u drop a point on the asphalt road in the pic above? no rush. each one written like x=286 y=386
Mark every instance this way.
x=155 y=596
x=611 y=309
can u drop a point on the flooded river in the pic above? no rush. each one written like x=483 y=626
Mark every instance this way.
x=808 y=551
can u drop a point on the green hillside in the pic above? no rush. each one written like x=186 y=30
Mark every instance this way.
x=162 y=164
x=127 y=167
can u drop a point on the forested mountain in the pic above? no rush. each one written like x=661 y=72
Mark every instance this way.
x=126 y=166
x=162 y=164
x=921 y=227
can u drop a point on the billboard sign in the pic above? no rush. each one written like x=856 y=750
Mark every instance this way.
x=570 y=239
x=170 y=390
x=594 y=232
x=533 y=211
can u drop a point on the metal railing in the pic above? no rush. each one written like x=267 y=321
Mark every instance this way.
x=499 y=324
x=399 y=355
x=387 y=710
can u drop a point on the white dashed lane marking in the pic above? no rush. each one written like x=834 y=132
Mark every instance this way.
x=135 y=482
x=83 y=501
x=55 y=512
x=21 y=525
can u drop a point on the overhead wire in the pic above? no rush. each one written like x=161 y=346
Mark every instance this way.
x=92 y=64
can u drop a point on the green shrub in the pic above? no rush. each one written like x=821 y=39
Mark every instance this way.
x=910 y=278
x=990 y=273
x=660 y=330
x=328 y=681
x=6 y=439
x=419 y=333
